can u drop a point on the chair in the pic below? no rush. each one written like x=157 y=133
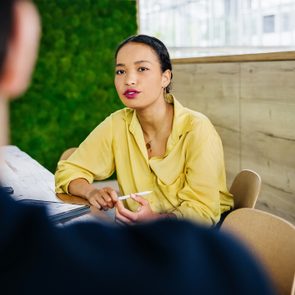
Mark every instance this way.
x=65 y=155
x=245 y=189
x=271 y=239
x=106 y=183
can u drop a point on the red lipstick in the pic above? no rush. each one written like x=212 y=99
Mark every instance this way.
x=131 y=93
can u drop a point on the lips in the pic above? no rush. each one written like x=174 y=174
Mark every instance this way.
x=131 y=93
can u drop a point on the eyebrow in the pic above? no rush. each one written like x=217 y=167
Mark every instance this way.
x=136 y=62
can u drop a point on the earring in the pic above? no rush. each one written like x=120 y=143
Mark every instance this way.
x=167 y=96
x=164 y=92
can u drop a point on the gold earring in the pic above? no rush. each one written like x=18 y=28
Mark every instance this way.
x=164 y=92
x=167 y=96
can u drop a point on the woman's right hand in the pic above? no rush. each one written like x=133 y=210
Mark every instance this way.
x=104 y=198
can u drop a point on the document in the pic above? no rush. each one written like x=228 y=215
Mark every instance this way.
x=59 y=212
x=28 y=178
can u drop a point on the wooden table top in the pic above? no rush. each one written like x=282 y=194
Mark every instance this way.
x=94 y=215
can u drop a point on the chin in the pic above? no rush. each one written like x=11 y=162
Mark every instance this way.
x=129 y=103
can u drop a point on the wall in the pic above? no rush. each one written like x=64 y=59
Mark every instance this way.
x=252 y=105
x=72 y=89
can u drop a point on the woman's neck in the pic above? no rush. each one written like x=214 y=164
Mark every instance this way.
x=156 y=118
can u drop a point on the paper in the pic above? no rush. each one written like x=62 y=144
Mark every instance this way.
x=28 y=178
x=59 y=212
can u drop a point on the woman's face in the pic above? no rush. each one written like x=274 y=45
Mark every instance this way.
x=138 y=78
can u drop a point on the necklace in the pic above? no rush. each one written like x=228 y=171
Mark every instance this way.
x=149 y=146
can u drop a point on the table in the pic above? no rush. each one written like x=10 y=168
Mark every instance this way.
x=30 y=180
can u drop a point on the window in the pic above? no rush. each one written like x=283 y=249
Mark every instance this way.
x=286 y=22
x=269 y=24
x=217 y=27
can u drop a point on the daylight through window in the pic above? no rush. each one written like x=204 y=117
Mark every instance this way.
x=219 y=27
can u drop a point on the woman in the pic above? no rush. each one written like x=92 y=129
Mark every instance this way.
x=154 y=144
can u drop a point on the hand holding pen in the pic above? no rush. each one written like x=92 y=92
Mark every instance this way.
x=106 y=198
x=144 y=212
x=137 y=194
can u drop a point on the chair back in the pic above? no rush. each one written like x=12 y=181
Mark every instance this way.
x=271 y=239
x=65 y=155
x=103 y=183
x=245 y=189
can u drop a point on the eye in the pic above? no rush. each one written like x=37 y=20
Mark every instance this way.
x=142 y=69
x=120 y=72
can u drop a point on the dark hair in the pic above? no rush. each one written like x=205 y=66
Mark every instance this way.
x=6 y=20
x=159 y=48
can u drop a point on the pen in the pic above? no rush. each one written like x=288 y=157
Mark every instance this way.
x=139 y=194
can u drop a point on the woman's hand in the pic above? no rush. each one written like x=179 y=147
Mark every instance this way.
x=104 y=198
x=144 y=211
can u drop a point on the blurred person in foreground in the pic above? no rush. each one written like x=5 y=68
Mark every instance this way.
x=164 y=257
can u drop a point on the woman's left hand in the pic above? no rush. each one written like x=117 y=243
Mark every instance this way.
x=143 y=213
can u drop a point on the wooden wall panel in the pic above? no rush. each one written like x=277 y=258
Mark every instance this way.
x=268 y=133
x=277 y=201
x=252 y=105
x=231 y=143
x=211 y=89
x=271 y=81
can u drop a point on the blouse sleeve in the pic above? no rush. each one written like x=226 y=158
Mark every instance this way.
x=93 y=159
x=204 y=174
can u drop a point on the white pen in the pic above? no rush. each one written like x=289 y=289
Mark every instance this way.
x=139 y=194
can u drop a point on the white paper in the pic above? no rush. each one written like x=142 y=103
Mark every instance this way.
x=26 y=176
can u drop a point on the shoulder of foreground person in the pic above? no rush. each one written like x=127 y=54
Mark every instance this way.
x=171 y=257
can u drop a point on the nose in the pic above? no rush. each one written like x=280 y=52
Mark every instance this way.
x=130 y=79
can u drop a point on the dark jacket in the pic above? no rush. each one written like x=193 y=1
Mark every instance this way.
x=164 y=257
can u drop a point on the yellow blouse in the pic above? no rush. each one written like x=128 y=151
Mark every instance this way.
x=189 y=180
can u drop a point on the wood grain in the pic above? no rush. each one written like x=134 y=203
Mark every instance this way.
x=241 y=58
x=252 y=105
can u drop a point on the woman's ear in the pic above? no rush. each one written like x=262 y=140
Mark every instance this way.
x=166 y=78
x=22 y=50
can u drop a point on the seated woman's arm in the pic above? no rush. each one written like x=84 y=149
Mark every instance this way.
x=205 y=181
x=204 y=188
x=102 y=198
x=93 y=160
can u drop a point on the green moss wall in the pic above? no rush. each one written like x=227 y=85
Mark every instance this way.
x=72 y=89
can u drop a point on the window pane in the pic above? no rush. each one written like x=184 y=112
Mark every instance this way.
x=268 y=23
x=217 y=27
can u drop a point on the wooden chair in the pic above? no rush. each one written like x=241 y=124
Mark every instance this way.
x=106 y=183
x=65 y=155
x=245 y=189
x=271 y=239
